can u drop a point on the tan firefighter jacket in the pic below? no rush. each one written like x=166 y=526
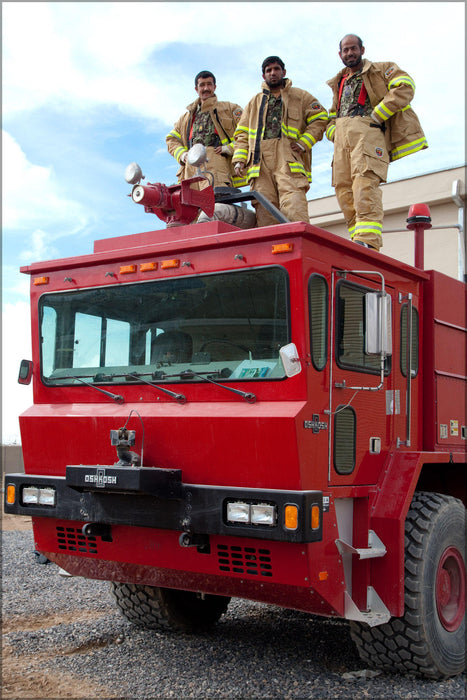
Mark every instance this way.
x=390 y=91
x=224 y=115
x=304 y=120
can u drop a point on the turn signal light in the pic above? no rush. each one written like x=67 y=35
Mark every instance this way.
x=10 y=494
x=314 y=517
x=166 y=264
x=41 y=280
x=291 y=517
x=282 y=248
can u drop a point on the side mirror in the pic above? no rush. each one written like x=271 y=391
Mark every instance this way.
x=290 y=359
x=25 y=372
x=378 y=324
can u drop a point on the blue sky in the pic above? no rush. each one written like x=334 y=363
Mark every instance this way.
x=89 y=87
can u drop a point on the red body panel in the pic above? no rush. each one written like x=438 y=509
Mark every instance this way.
x=284 y=441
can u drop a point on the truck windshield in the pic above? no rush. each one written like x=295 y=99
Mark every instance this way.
x=225 y=326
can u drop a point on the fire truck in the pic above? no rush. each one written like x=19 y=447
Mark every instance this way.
x=275 y=414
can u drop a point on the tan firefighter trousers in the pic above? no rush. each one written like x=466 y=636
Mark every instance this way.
x=360 y=164
x=286 y=190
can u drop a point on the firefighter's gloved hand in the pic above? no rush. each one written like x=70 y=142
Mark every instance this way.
x=226 y=150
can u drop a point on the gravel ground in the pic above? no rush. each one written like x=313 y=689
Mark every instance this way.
x=63 y=638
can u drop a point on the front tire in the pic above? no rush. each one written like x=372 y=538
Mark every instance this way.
x=429 y=640
x=168 y=609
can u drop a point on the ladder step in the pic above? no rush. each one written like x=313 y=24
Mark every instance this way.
x=375 y=614
x=375 y=547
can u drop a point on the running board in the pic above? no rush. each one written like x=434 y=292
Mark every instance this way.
x=375 y=547
x=377 y=613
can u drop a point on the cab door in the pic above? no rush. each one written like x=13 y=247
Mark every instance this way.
x=361 y=392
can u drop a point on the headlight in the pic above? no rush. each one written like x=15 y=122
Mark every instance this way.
x=238 y=512
x=35 y=495
x=251 y=513
x=263 y=515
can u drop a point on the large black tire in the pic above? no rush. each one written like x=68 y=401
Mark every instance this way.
x=167 y=609
x=429 y=640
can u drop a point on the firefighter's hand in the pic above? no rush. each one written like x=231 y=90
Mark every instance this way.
x=238 y=167
x=297 y=147
x=183 y=157
x=223 y=150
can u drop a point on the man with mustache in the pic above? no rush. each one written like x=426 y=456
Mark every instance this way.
x=371 y=124
x=211 y=123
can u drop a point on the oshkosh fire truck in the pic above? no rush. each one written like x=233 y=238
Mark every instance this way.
x=270 y=413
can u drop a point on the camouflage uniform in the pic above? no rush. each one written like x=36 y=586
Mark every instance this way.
x=204 y=131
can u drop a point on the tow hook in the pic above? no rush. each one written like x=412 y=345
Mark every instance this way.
x=190 y=539
x=97 y=530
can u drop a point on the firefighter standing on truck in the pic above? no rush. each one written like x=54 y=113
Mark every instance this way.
x=273 y=143
x=211 y=123
x=371 y=124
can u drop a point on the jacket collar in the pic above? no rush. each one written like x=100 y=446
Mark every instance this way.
x=208 y=104
x=286 y=88
x=334 y=81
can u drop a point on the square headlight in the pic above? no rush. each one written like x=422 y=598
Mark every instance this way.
x=47 y=497
x=30 y=495
x=238 y=512
x=263 y=515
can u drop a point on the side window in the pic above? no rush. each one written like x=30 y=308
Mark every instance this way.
x=318 y=311
x=351 y=330
x=415 y=343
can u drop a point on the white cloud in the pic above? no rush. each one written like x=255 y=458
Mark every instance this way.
x=31 y=195
x=16 y=398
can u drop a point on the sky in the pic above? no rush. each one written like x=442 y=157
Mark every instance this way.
x=89 y=87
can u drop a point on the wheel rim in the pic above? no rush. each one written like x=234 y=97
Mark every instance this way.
x=450 y=589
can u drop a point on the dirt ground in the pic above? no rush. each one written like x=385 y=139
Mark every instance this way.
x=24 y=676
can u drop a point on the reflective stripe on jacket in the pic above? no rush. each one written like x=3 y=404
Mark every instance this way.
x=304 y=120
x=390 y=91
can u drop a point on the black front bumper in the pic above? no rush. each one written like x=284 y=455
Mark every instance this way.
x=157 y=498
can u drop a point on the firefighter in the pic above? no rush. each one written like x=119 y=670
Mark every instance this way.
x=371 y=124
x=210 y=123
x=273 y=143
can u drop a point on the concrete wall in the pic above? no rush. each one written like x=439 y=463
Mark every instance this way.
x=434 y=189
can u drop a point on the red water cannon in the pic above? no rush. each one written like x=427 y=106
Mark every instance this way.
x=177 y=205
x=419 y=220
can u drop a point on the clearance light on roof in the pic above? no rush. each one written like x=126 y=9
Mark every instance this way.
x=282 y=248
x=127 y=269
x=148 y=266
x=40 y=280
x=166 y=264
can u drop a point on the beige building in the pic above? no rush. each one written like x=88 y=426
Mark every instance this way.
x=443 y=191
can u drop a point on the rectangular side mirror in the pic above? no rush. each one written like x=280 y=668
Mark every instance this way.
x=25 y=372
x=290 y=359
x=378 y=337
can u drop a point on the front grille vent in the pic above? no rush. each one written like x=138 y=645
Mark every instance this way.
x=72 y=540
x=244 y=560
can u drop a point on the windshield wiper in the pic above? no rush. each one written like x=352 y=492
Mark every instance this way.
x=115 y=397
x=247 y=395
x=181 y=398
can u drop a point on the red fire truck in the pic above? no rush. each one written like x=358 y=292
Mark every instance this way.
x=273 y=413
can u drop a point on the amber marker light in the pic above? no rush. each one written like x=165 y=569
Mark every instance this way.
x=323 y=575
x=167 y=264
x=127 y=269
x=40 y=280
x=282 y=248
x=10 y=494
x=291 y=517
x=314 y=517
x=148 y=266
